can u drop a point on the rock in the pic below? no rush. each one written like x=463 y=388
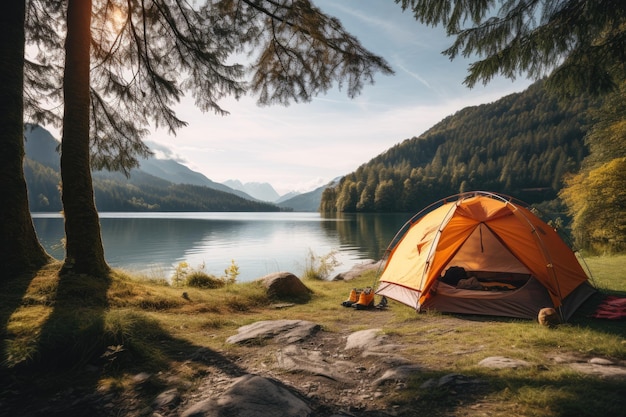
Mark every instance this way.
x=567 y=358
x=365 y=339
x=373 y=342
x=500 y=362
x=252 y=396
x=602 y=371
x=385 y=356
x=449 y=380
x=358 y=270
x=401 y=373
x=601 y=367
x=166 y=399
x=294 y=359
x=600 y=361
x=283 y=331
x=285 y=285
x=141 y=377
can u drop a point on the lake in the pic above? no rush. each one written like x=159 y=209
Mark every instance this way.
x=259 y=243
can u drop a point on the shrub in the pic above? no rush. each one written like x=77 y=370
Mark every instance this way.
x=180 y=274
x=231 y=273
x=200 y=279
x=320 y=267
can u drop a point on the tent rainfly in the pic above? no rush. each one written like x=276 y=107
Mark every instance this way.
x=481 y=253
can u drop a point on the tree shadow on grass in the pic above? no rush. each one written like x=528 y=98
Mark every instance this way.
x=64 y=316
x=513 y=392
x=12 y=292
x=83 y=344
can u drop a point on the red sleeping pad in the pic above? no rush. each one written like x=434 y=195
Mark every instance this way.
x=611 y=308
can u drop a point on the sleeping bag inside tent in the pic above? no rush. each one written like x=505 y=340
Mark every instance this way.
x=481 y=253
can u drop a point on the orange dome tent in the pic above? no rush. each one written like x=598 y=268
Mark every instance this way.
x=511 y=262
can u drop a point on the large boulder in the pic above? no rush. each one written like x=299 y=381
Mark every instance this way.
x=285 y=285
x=252 y=396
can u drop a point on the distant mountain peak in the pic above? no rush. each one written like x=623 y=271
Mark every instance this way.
x=177 y=173
x=260 y=190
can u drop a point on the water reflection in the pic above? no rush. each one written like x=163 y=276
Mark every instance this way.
x=260 y=243
x=371 y=233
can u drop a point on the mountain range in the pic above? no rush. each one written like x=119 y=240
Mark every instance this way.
x=157 y=184
x=522 y=145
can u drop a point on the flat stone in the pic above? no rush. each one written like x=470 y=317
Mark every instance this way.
x=500 y=362
x=400 y=373
x=282 y=331
x=449 y=380
x=566 y=358
x=600 y=361
x=603 y=371
x=141 y=377
x=358 y=270
x=252 y=396
x=294 y=359
x=365 y=339
x=386 y=357
x=167 y=398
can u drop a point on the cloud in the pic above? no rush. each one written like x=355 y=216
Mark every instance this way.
x=161 y=151
x=379 y=17
x=415 y=75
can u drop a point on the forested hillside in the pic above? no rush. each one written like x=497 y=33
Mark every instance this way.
x=521 y=145
x=142 y=192
x=115 y=192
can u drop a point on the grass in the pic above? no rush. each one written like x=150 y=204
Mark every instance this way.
x=52 y=328
x=608 y=272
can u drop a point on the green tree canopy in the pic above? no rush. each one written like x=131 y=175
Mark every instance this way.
x=580 y=44
x=597 y=199
x=595 y=196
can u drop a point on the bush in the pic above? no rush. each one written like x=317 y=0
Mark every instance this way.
x=200 y=279
x=320 y=267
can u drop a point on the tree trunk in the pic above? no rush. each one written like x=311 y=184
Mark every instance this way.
x=20 y=251
x=84 y=250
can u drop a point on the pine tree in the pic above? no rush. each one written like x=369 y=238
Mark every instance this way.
x=84 y=252
x=20 y=250
x=581 y=44
x=135 y=60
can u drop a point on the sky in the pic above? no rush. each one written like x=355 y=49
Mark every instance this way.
x=303 y=146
